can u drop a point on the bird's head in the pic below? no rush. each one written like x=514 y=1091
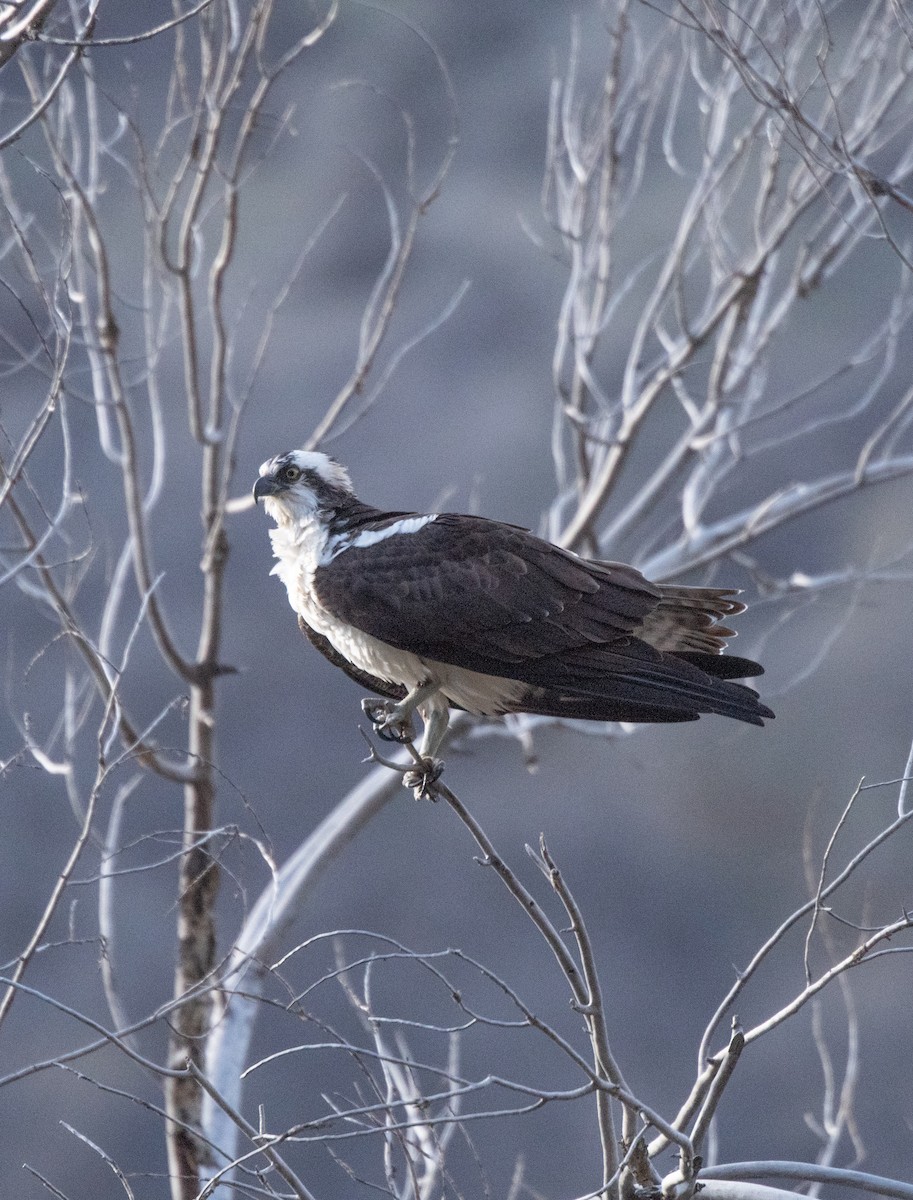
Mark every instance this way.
x=299 y=484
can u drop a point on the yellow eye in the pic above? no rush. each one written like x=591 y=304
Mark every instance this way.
x=291 y=474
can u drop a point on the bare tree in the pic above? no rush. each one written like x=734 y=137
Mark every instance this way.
x=778 y=136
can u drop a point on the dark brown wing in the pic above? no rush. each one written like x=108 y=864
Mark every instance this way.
x=482 y=595
x=592 y=639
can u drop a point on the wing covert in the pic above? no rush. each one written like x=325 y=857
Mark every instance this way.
x=482 y=595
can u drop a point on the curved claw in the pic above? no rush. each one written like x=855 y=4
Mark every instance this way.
x=377 y=711
x=423 y=778
x=389 y=723
x=395 y=731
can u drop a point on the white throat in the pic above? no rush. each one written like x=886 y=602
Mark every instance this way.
x=289 y=509
x=299 y=545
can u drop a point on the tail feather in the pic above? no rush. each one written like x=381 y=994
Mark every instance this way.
x=687 y=619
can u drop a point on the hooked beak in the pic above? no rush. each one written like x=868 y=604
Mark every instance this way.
x=266 y=485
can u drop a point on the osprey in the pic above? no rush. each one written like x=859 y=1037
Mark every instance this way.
x=436 y=611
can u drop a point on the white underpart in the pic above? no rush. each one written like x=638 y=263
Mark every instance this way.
x=303 y=545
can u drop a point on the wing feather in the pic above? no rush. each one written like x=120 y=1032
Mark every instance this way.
x=591 y=639
x=482 y=595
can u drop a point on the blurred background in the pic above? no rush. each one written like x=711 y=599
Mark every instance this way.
x=685 y=846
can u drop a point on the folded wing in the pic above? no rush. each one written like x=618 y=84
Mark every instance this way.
x=591 y=639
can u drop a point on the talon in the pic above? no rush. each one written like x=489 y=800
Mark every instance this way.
x=395 y=731
x=376 y=711
x=387 y=719
x=423 y=779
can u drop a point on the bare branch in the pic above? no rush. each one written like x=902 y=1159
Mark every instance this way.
x=809 y=1173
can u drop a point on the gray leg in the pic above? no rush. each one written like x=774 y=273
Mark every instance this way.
x=436 y=715
x=393 y=722
x=436 y=722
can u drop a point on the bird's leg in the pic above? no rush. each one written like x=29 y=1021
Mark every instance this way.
x=393 y=721
x=436 y=716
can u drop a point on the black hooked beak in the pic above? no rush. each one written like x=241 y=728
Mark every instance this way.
x=267 y=485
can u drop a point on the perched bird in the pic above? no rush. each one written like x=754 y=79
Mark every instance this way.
x=442 y=610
